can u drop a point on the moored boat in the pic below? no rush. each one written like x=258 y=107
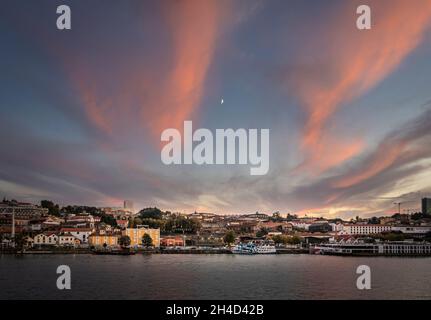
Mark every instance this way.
x=255 y=247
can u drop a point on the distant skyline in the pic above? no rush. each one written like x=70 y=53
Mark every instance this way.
x=349 y=111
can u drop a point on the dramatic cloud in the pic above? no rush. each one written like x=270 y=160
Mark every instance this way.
x=397 y=156
x=82 y=110
x=354 y=62
x=150 y=89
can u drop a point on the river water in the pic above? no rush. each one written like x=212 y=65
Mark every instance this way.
x=182 y=276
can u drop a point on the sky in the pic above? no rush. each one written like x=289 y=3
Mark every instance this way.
x=349 y=111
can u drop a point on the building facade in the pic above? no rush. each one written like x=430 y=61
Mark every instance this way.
x=174 y=241
x=364 y=229
x=100 y=239
x=136 y=235
x=68 y=240
x=80 y=233
x=45 y=239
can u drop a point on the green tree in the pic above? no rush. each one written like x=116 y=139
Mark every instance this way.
x=154 y=213
x=109 y=220
x=53 y=209
x=294 y=240
x=392 y=236
x=279 y=239
x=182 y=225
x=229 y=237
x=147 y=241
x=374 y=220
x=124 y=241
x=262 y=232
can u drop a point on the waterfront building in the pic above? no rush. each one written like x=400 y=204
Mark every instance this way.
x=136 y=235
x=45 y=239
x=172 y=241
x=412 y=230
x=101 y=238
x=68 y=240
x=364 y=229
x=396 y=248
x=80 y=233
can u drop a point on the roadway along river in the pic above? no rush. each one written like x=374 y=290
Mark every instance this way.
x=213 y=277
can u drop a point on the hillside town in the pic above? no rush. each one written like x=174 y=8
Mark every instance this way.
x=46 y=226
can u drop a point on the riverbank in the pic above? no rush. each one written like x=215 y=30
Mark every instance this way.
x=146 y=251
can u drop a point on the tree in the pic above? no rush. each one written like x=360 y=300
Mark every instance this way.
x=182 y=225
x=147 y=241
x=393 y=236
x=53 y=209
x=131 y=222
x=262 y=232
x=276 y=217
x=124 y=241
x=109 y=220
x=229 y=237
x=374 y=220
x=294 y=240
x=154 y=213
x=279 y=239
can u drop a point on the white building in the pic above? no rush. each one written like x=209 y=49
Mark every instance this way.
x=300 y=225
x=80 y=233
x=336 y=227
x=364 y=229
x=416 y=230
x=43 y=239
x=68 y=240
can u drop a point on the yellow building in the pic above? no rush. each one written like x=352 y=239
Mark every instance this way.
x=98 y=240
x=136 y=234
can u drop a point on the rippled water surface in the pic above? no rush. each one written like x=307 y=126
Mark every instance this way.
x=213 y=277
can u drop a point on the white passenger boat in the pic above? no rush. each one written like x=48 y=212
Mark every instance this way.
x=255 y=247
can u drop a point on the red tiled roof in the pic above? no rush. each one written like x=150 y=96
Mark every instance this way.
x=76 y=230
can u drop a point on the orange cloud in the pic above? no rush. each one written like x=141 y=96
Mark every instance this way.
x=149 y=88
x=358 y=60
x=195 y=26
x=328 y=153
x=384 y=158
